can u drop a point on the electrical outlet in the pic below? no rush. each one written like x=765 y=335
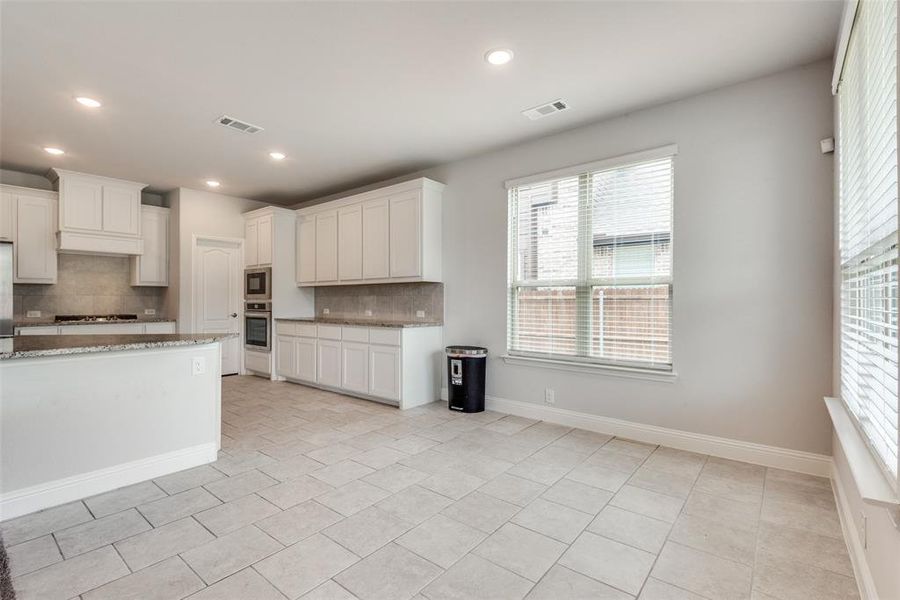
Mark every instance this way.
x=368 y=313
x=149 y=311
x=550 y=396
x=326 y=311
x=863 y=530
x=33 y=314
x=198 y=365
x=420 y=314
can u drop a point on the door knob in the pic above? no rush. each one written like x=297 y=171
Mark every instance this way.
x=233 y=315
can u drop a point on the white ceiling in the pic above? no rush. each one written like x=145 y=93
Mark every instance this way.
x=356 y=92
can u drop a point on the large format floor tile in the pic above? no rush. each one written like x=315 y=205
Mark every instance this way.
x=319 y=496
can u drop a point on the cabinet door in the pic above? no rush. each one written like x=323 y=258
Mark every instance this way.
x=251 y=243
x=35 y=256
x=376 y=239
x=161 y=327
x=102 y=329
x=48 y=330
x=355 y=366
x=305 y=349
x=328 y=359
x=81 y=203
x=350 y=255
x=306 y=249
x=326 y=247
x=285 y=357
x=121 y=209
x=406 y=235
x=264 y=236
x=152 y=267
x=7 y=227
x=384 y=372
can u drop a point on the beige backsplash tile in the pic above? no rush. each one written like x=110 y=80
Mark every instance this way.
x=386 y=301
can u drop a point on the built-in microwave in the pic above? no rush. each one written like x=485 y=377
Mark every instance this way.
x=258 y=284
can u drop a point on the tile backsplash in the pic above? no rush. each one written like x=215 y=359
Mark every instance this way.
x=92 y=285
x=399 y=301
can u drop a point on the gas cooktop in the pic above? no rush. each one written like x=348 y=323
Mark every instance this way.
x=94 y=318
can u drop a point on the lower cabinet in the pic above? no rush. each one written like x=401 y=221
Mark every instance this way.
x=286 y=357
x=305 y=349
x=98 y=328
x=384 y=372
x=355 y=367
x=328 y=359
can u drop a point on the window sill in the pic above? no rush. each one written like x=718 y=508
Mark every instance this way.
x=870 y=480
x=579 y=367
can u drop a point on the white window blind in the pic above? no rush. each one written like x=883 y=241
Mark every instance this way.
x=867 y=152
x=590 y=273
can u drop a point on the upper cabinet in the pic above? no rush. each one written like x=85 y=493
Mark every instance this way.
x=152 y=267
x=98 y=215
x=28 y=219
x=258 y=241
x=392 y=234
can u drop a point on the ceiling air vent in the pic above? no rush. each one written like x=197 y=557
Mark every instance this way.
x=242 y=126
x=538 y=112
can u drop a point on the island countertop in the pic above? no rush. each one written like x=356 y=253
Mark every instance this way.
x=31 y=346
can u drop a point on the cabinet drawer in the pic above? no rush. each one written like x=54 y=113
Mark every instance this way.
x=355 y=334
x=328 y=332
x=384 y=335
x=306 y=329
x=256 y=361
x=285 y=328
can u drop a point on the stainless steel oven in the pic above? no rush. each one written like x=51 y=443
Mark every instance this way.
x=258 y=284
x=258 y=326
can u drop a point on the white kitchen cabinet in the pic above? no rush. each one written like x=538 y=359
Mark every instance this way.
x=355 y=366
x=305 y=349
x=327 y=247
x=152 y=267
x=376 y=239
x=102 y=329
x=98 y=215
x=38 y=330
x=286 y=357
x=7 y=207
x=328 y=359
x=251 y=242
x=259 y=239
x=306 y=250
x=384 y=372
x=160 y=327
x=265 y=240
x=34 y=244
x=387 y=235
x=350 y=243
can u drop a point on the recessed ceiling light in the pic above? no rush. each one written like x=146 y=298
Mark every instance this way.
x=54 y=151
x=277 y=155
x=89 y=102
x=499 y=56
x=213 y=183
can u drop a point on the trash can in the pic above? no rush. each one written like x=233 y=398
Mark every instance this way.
x=465 y=378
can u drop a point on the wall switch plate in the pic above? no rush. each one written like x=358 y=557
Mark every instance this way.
x=198 y=365
x=325 y=311
x=420 y=314
x=149 y=311
x=33 y=314
x=550 y=396
x=368 y=313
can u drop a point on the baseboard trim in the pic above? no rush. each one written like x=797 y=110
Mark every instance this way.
x=864 y=580
x=760 y=454
x=27 y=500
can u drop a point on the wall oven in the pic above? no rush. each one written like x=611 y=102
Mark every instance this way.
x=258 y=326
x=258 y=284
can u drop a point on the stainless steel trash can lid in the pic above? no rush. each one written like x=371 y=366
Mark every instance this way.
x=466 y=351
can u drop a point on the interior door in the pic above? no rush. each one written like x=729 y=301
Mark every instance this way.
x=217 y=295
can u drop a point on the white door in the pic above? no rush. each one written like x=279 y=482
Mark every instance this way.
x=305 y=349
x=7 y=201
x=264 y=245
x=406 y=235
x=306 y=250
x=326 y=247
x=121 y=209
x=251 y=243
x=355 y=366
x=286 y=361
x=376 y=240
x=350 y=255
x=35 y=240
x=217 y=295
x=384 y=372
x=328 y=357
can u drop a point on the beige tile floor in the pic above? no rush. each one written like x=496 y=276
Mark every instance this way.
x=317 y=495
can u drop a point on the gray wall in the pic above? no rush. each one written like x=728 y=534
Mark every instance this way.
x=753 y=249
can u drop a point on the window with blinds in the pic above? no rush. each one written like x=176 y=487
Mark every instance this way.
x=590 y=273
x=867 y=155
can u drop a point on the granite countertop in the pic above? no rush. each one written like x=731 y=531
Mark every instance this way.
x=47 y=322
x=365 y=322
x=30 y=346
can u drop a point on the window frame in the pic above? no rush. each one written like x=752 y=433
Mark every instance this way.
x=585 y=281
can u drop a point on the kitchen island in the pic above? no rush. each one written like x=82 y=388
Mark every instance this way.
x=85 y=414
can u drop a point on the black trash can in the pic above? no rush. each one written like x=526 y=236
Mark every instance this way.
x=465 y=378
